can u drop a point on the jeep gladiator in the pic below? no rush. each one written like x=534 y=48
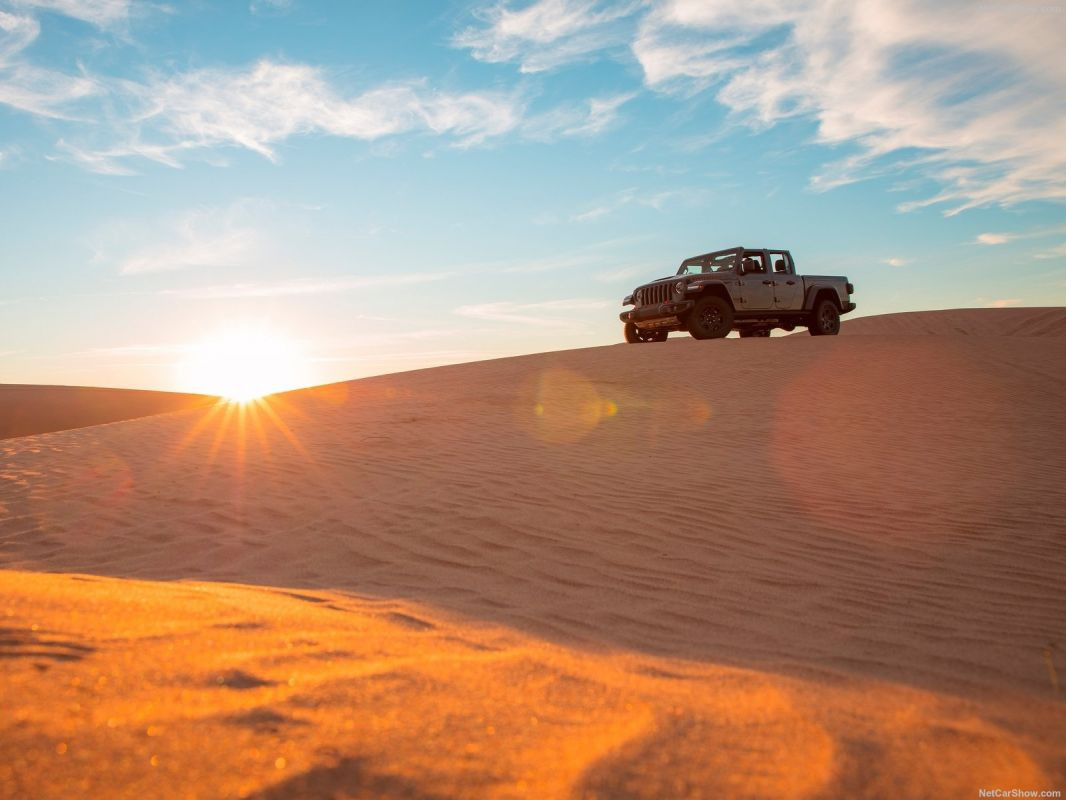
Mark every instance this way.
x=745 y=289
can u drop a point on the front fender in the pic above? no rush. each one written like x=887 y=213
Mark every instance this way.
x=727 y=289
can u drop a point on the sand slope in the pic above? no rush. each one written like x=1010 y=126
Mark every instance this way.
x=124 y=689
x=963 y=322
x=802 y=566
x=26 y=410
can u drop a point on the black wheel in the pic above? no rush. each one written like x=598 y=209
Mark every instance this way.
x=635 y=335
x=710 y=318
x=825 y=321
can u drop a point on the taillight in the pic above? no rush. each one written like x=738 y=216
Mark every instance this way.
x=851 y=289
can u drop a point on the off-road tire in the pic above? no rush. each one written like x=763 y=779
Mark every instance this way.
x=635 y=335
x=710 y=318
x=825 y=319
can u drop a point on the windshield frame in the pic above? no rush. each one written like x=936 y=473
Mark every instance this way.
x=703 y=260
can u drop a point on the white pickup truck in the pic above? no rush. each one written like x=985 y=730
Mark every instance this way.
x=745 y=289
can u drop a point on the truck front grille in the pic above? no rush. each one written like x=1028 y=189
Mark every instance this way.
x=654 y=294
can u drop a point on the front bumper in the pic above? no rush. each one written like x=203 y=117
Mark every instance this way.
x=656 y=312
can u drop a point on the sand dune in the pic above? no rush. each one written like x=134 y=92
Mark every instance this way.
x=964 y=322
x=25 y=410
x=795 y=566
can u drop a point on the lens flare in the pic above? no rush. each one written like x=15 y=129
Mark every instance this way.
x=566 y=406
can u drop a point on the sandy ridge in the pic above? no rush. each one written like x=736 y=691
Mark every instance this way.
x=26 y=410
x=864 y=523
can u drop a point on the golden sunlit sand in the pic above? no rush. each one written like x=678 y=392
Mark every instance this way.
x=788 y=567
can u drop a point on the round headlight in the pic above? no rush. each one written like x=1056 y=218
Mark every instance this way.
x=679 y=287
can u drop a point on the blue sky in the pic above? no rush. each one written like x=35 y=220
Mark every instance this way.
x=392 y=186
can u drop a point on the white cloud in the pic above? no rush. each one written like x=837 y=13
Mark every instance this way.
x=201 y=238
x=1058 y=251
x=896 y=262
x=112 y=160
x=590 y=256
x=101 y=13
x=131 y=350
x=547 y=33
x=1003 y=303
x=270 y=6
x=258 y=107
x=621 y=274
x=170 y=118
x=548 y=314
x=30 y=88
x=973 y=95
x=589 y=119
x=629 y=197
x=167 y=118
x=1034 y=233
x=305 y=286
x=10 y=155
x=248 y=232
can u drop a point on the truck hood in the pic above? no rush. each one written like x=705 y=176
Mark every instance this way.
x=660 y=280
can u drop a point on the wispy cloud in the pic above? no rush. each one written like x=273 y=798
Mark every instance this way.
x=1058 y=251
x=171 y=118
x=123 y=351
x=622 y=274
x=961 y=92
x=9 y=156
x=30 y=88
x=257 y=107
x=39 y=90
x=967 y=95
x=271 y=6
x=305 y=286
x=201 y=238
x=630 y=197
x=547 y=33
x=590 y=118
x=896 y=262
x=102 y=13
x=1011 y=236
x=1003 y=303
x=547 y=314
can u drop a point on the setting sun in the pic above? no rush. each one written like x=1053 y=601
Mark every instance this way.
x=242 y=364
